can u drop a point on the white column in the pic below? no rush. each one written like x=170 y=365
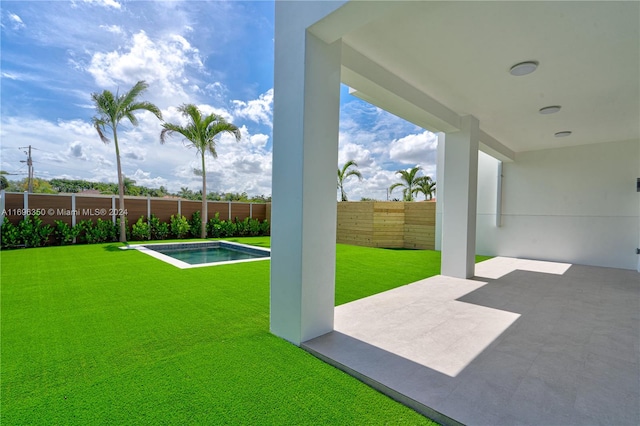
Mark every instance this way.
x=3 y=197
x=25 y=204
x=460 y=196
x=113 y=209
x=439 y=189
x=73 y=210
x=305 y=157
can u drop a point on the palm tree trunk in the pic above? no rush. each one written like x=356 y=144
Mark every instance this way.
x=123 y=231
x=203 y=229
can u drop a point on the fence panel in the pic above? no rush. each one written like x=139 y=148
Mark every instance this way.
x=14 y=203
x=387 y=224
x=240 y=211
x=52 y=207
x=220 y=207
x=259 y=211
x=163 y=209
x=190 y=207
x=93 y=208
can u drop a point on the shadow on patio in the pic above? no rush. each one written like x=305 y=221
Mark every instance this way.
x=525 y=342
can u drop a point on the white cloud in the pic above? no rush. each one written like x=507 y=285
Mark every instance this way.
x=259 y=140
x=11 y=76
x=115 y=29
x=162 y=63
x=104 y=3
x=358 y=153
x=16 y=21
x=143 y=178
x=258 y=110
x=415 y=149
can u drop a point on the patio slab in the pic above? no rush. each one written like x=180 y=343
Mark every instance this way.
x=524 y=342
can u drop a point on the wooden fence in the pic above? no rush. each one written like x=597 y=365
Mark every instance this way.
x=387 y=224
x=72 y=208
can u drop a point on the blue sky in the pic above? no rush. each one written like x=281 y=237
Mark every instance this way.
x=218 y=55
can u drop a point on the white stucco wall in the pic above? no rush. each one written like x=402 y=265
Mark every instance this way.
x=576 y=205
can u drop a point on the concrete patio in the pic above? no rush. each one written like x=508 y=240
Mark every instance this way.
x=524 y=342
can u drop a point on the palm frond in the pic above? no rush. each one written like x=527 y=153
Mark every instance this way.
x=394 y=186
x=99 y=125
x=129 y=97
x=354 y=173
x=146 y=106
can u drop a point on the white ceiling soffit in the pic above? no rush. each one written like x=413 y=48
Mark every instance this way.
x=452 y=59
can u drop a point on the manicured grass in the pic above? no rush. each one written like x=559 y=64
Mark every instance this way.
x=96 y=335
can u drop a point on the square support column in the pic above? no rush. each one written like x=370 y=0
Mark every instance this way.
x=459 y=198
x=305 y=157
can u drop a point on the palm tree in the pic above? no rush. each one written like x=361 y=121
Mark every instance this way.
x=343 y=174
x=201 y=133
x=409 y=183
x=426 y=186
x=111 y=110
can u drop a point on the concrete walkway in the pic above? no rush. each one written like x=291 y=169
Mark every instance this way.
x=525 y=342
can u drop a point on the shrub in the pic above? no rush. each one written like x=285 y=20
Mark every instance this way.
x=159 y=230
x=214 y=226
x=242 y=228
x=141 y=230
x=196 y=224
x=254 y=227
x=105 y=231
x=179 y=226
x=83 y=226
x=265 y=228
x=33 y=233
x=64 y=234
x=10 y=235
x=102 y=231
x=227 y=229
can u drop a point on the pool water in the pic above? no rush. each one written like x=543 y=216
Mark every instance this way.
x=199 y=254
x=194 y=256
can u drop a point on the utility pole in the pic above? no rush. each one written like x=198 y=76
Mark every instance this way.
x=29 y=165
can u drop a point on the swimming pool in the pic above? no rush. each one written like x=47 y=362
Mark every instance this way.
x=198 y=254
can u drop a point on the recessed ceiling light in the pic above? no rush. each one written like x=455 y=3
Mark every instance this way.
x=563 y=134
x=524 y=68
x=550 y=109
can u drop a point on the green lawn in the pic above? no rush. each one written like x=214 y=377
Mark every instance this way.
x=95 y=335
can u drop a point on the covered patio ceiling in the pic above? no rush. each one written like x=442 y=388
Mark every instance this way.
x=433 y=62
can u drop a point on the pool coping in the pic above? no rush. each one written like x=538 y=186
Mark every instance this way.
x=146 y=249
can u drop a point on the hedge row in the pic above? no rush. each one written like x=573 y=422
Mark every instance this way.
x=31 y=232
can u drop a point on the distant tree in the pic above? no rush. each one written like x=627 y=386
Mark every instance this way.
x=236 y=196
x=425 y=186
x=260 y=199
x=130 y=187
x=185 y=193
x=409 y=183
x=4 y=182
x=40 y=186
x=111 y=110
x=201 y=133
x=344 y=173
